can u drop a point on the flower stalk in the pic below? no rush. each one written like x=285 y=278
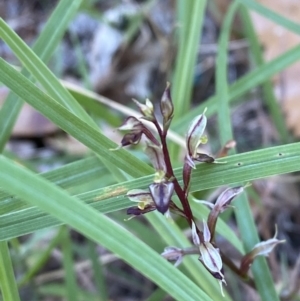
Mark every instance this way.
x=165 y=185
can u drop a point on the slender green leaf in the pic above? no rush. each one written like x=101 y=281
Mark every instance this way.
x=238 y=168
x=42 y=259
x=158 y=294
x=262 y=275
x=70 y=175
x=276 y=18
x=98 y=270
x=8 y=284
x=41 y=72
x=43 y=47
x=190 y=34
x=49 y=81
x=241 y=86
x=224 y=123
x=59 y=290
x=80 y=130
x=98 y=227
x=70 y=278
x=268 y=89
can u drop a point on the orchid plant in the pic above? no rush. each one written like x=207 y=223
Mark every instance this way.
x=165 y=185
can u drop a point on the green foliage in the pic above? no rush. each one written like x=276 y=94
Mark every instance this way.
x=30 y=202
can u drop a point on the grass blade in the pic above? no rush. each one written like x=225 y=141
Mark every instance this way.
x=190 y=33
x=41 y=72
x=268 y=89
x=241 y=86
x=262 y=275
x=44 y=47
x=8 y=284
x=79 y=129
x=43 y=258
x=68 y=176
x=242 y=167
x=70 y=279
x=276 y=18
x=98 y=271
x=48 y=80
x=192 y=16
x=53 y=200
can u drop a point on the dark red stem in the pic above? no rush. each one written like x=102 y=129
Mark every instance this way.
x=170 y=174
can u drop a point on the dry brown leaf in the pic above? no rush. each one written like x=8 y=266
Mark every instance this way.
x=30 y=123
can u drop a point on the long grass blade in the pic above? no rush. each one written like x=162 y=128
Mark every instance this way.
x=73 y=125
x=42 y=259
x=276 y=18
x=238 y=168
x=53 y=200
x=8 y=284
x=262 y=275
x=191 y=15
x=68 y=263
x=44 y=47
x=241 y=86
x=269 y=96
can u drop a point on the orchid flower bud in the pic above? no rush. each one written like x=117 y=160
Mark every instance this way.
x=225 y=198
x=138 y=211
x=156 y=157
x=131 y=139
x=131 y=124
x=263 y=248
x=143 y=197
x=173 y=254
x=222 y=203
x=186 y=175
x=209 y=255
x=166 y=107
x=146 y=109
x=161 y=194
x=144 y=200
x=136 y=128
x=150 y=136
x=194 y=135
x=203 y=158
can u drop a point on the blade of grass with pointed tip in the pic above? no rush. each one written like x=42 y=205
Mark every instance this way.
x=261 y=272
x=53 y=200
